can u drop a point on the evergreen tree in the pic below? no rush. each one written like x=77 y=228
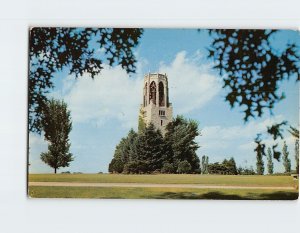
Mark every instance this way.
x=150 y=149
x=180 y=137
x=56 y=123
x=270 y=161
x=286 y=160
x=123 y=153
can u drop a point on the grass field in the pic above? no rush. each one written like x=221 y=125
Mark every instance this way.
x=165 y=192
x=166 y=179
x=160 y=193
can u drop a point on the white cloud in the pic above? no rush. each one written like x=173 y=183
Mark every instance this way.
x=110 y=95
x=37 y=145
x=191 y=86
x=222 y=137
x=114 y=95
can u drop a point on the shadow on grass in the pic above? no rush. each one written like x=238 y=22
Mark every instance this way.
x=279 y=195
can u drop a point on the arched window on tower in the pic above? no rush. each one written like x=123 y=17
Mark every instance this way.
x=161 y=94
x=152 y=94
x=145 y=95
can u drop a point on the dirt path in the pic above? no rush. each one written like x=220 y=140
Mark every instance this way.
x=140 y=185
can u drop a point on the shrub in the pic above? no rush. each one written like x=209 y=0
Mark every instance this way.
x=168 y=168
x=184 y=167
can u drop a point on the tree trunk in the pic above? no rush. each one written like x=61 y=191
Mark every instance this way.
x=55 y=170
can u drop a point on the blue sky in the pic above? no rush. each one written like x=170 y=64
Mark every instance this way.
x=104 y=109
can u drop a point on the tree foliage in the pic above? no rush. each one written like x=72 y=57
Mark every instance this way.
x=184 y=167
x=252 y=68
x=227 y=167
x=295 y=133
x=56 y=123
x=260 y=152
x=148 y=152
x=53 y=49
x=270 y=164
x=204 y=164
x=180 y=138
x=246 y=171
x=276 y=129
x=297 y=155
x=285 y=158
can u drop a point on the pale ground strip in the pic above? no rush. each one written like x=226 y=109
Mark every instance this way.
x=135 y=185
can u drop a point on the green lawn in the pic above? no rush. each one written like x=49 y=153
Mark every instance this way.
x=160 y=193
x=167 y=179
x=165 y=192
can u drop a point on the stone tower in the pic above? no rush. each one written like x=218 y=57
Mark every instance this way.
x=156 y=107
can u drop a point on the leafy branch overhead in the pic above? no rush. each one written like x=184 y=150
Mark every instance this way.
x=53 y=49
x=252 y=68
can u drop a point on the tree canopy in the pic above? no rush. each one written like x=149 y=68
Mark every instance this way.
x=252 y=68
x=227 y=167
x=56 y=123
x=53 y=49
x=149 y=152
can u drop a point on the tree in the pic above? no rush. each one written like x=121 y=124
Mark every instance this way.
x=204 y=164
x=56 y=123
x=116 y=166
x=180 y=139
x=54 y=49
x=151 y=148
x=297 y=155
x=148 y=152
x=230 y=166
x=227 y=167
x=260 y=152
x=246 y=171
x=184 y=167
x=285 y=157
x=123 y=153
x=216 y=168
x=252 y=68
x=270 y=164
x=295 y=134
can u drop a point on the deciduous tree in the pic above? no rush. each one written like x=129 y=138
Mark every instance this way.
x=53 y=49
x=270 y=164
x=56 y=123
x=285 y=158
x=252 y=68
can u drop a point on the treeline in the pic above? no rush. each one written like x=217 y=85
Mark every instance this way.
x=147 y=151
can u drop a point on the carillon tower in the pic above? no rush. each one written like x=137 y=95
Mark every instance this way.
x=156 y=107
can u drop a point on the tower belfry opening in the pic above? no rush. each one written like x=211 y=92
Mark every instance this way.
x=156 y=108
x=161 y=94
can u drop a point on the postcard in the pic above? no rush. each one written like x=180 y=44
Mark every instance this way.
x=141 y=113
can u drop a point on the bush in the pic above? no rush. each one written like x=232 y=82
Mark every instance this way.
x=197 y=171
x=168 y=168
x=67 y=172
x=246 y=171
x=184 y=167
